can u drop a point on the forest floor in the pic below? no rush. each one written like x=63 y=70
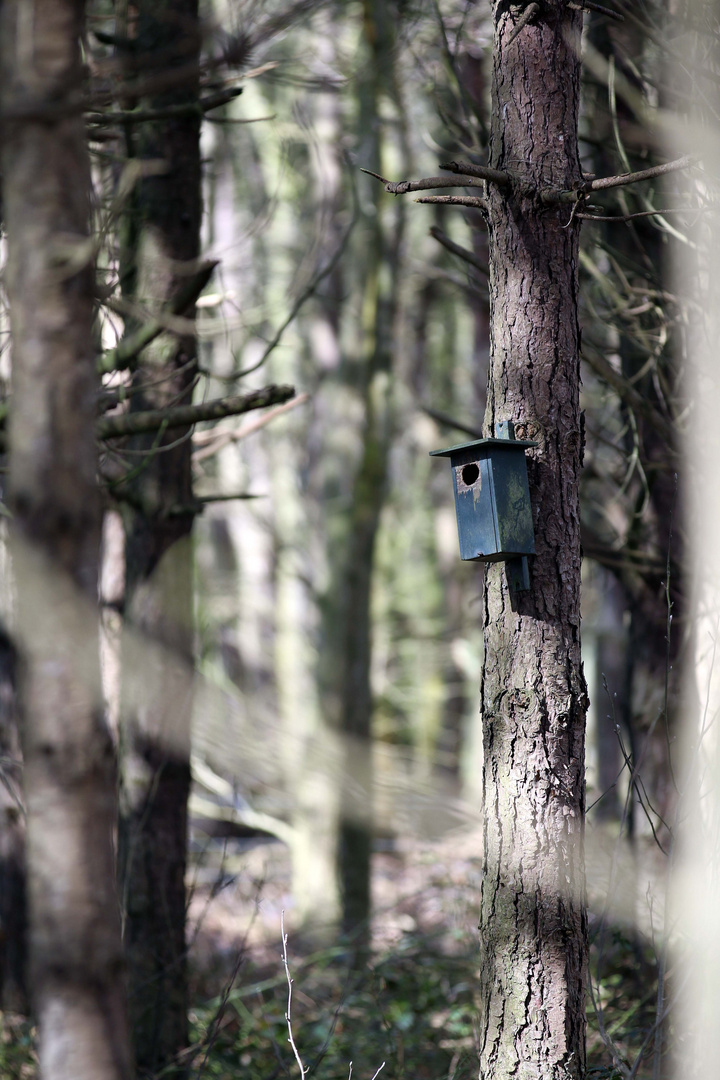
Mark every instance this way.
x=411 y=1008
x=412 y=1004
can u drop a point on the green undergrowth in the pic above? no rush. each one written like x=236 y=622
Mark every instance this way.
x=621 y=1011
x=18 y=1057
x=411 y=1009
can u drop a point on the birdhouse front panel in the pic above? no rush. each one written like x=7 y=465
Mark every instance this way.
x=472 y=479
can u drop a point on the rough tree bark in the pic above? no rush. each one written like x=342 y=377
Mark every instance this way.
x=533 y=926
x=161 y=250
x=75 y=947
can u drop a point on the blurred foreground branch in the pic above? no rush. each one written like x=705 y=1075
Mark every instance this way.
x=111 y=427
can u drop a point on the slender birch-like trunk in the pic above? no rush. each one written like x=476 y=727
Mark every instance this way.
x=75 y=948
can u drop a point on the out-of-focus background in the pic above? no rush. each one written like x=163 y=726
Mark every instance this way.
x=337 y=632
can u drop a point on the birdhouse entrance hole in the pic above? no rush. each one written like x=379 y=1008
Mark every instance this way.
x=470 y=474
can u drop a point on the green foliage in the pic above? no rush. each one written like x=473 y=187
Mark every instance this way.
x=412 y=1009
x=624 y=973
x=18 y=1058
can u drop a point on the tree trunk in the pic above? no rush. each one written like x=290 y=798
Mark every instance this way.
x=162 y=246
x=75 y=947
x=533 y=926
x=379 y=309
x=13 y=903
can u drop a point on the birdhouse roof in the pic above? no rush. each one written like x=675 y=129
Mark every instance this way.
x=450 y=451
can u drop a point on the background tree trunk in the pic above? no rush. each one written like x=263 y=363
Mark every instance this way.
x=75 y=948
x=379 y=311
x=532 y=925
x=162 y=245
x=13 y=903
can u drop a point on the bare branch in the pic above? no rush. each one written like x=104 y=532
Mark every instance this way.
x=483 y=172
x=527 y=16
x=602 y=183
x=645 y=174
x=457 y=249
x=308 y=291
x=189 y=109
x=454 y=200
x=112 y=427
x=401 y=187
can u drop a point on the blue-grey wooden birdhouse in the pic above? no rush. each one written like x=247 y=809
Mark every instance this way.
x=492 y=500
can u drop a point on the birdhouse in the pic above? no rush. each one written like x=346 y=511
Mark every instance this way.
x=492 y=501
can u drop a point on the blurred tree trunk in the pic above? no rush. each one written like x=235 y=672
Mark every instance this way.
x=13 y=905
x=642 y=253
x=532 y=924
x=162 y=242
x=75 y=948
x=309 y=740
x=379 y=309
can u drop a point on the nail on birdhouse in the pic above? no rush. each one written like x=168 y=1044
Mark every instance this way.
x=492 y=501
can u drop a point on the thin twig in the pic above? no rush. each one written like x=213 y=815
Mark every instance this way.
x=637 y=783
x=648 y=213
x=450 y=421
x=288 y=1014
x=187 y=109
x=211 y=442
x=214 y=1027
x=309 y=289
x=630 y=395
x=111 y=427
x=590 y=5
x=456 y=249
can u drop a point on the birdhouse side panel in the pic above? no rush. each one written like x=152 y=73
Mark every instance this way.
x=512 y=504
